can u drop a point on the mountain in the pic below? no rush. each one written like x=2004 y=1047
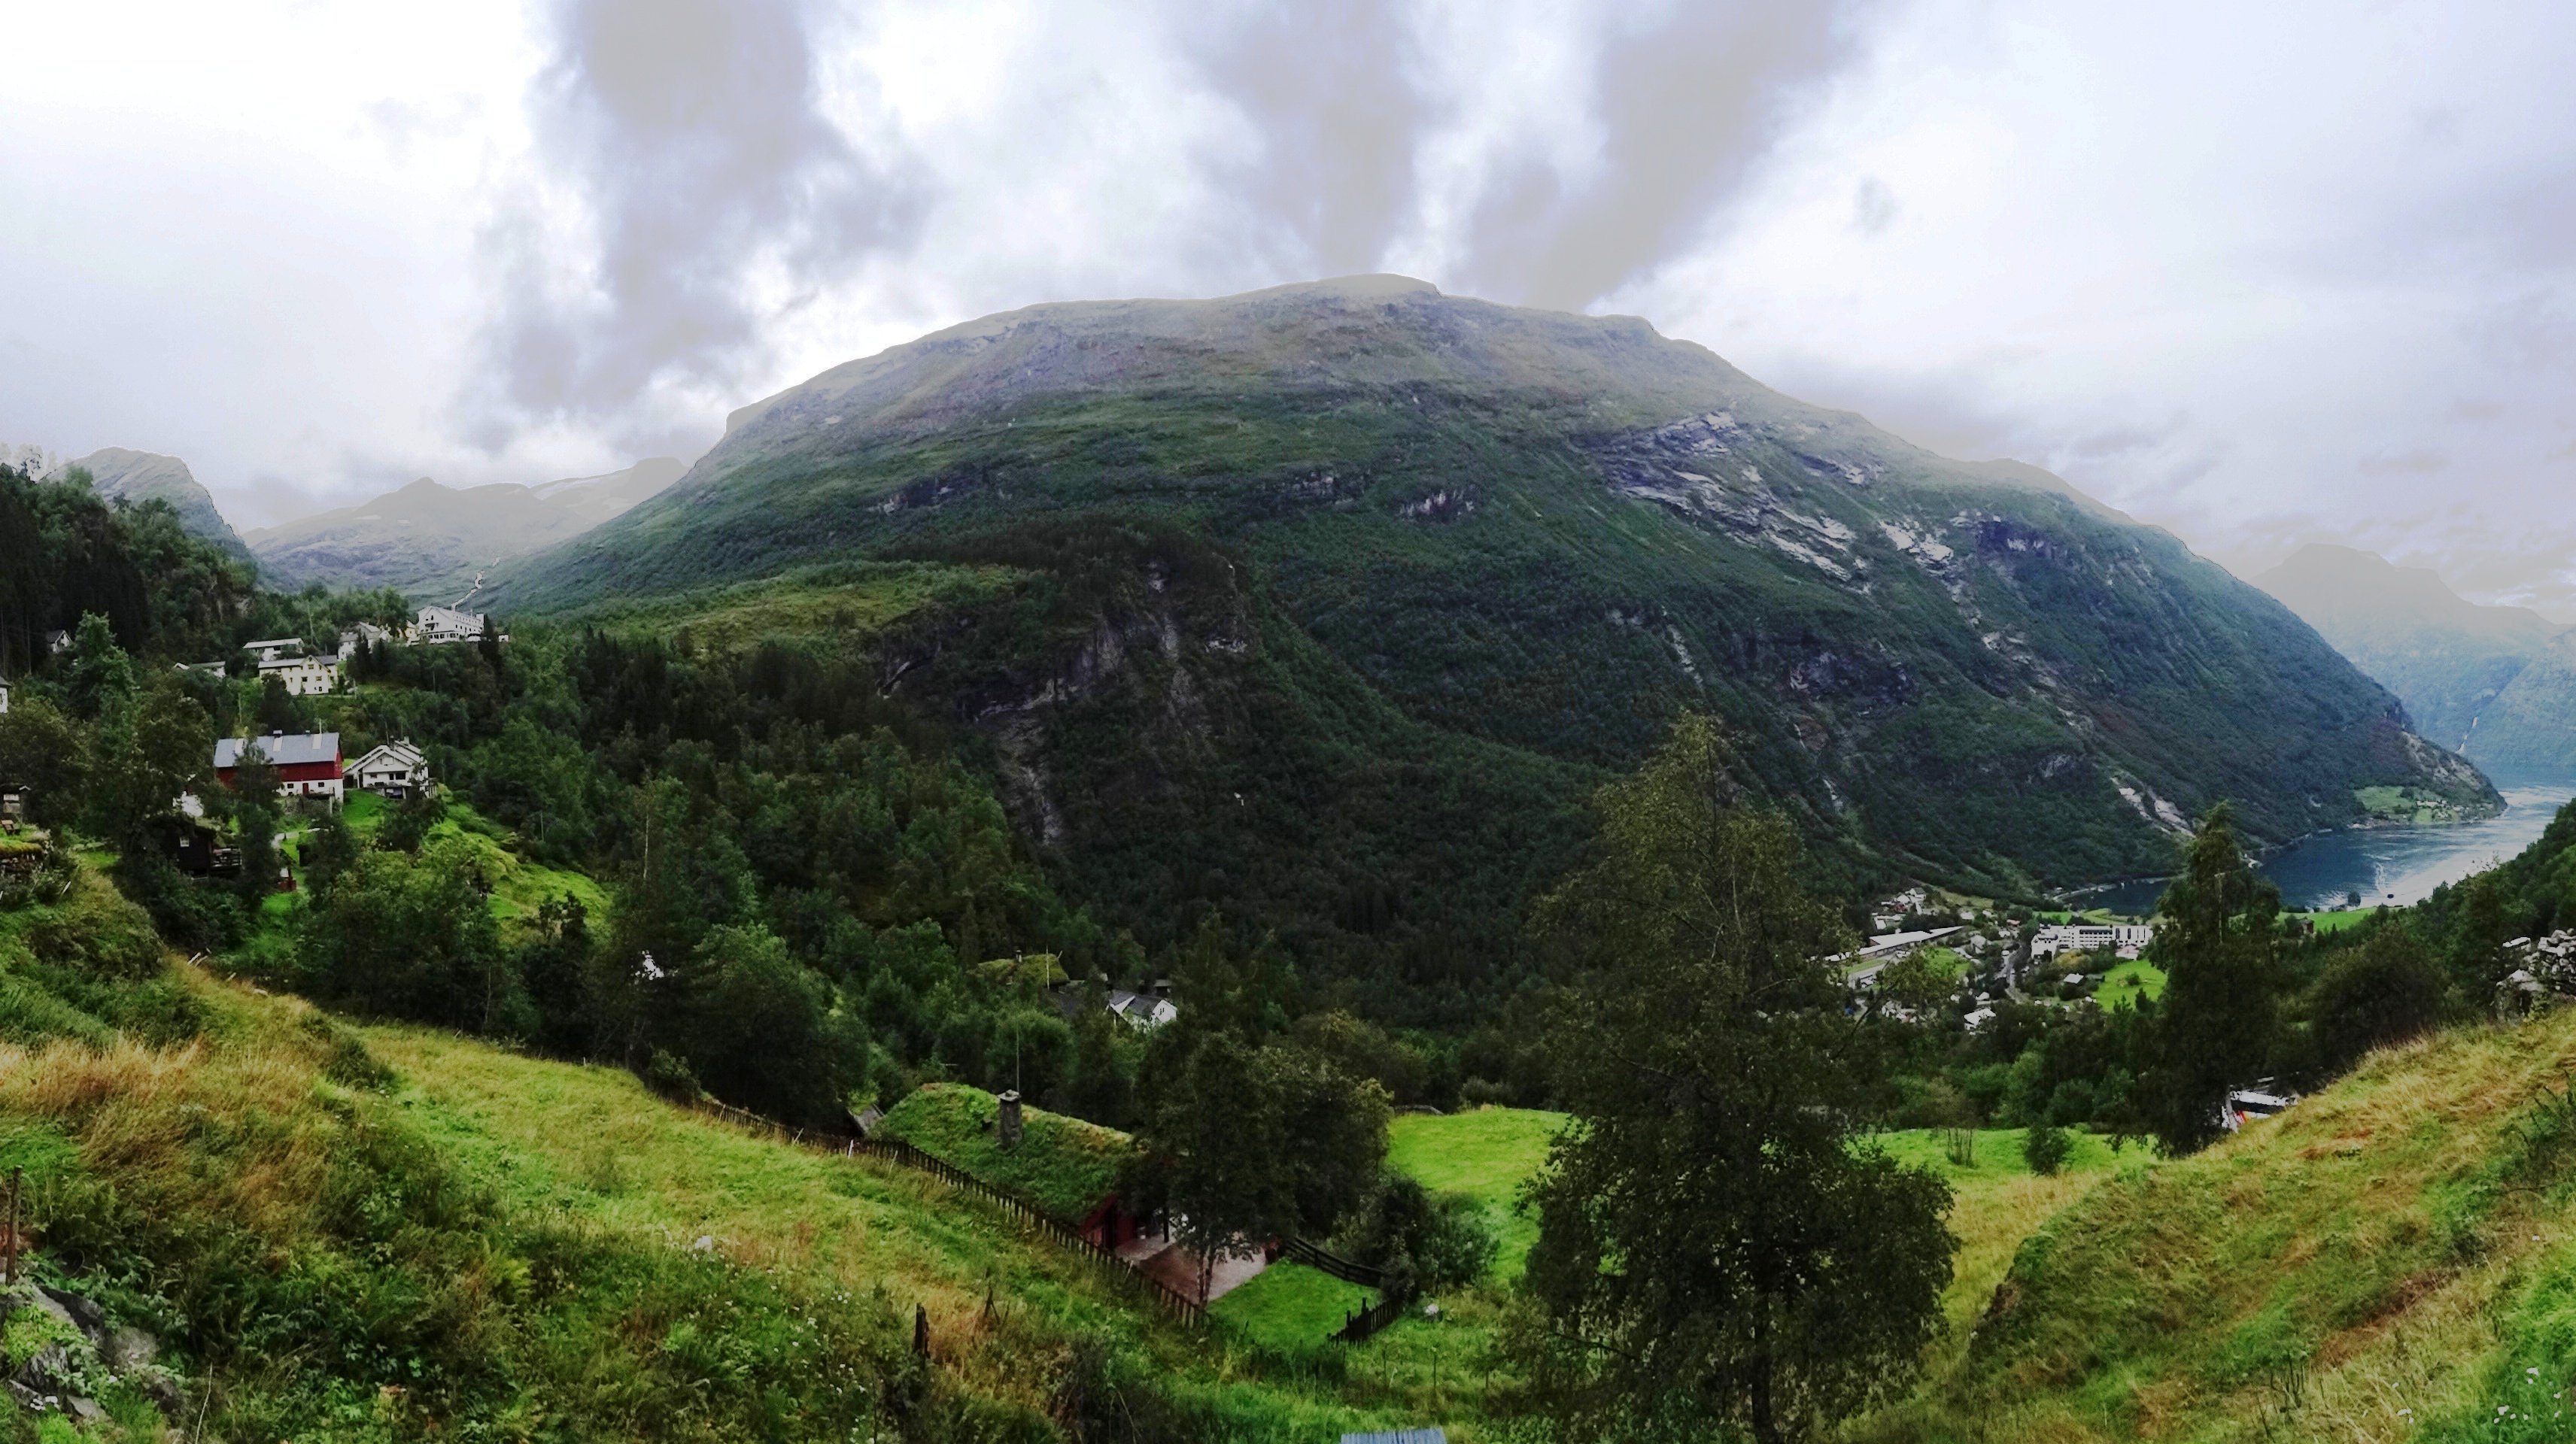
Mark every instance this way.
x=432 y=541
x=122 y=475
x=597 y=498
x=2498 y=683
x=1330 y=605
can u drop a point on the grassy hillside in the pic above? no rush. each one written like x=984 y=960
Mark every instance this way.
x=1331 y=604
x=2387 y=1260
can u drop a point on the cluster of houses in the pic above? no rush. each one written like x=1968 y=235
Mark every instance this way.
x=308 y=673
x=2127 y=940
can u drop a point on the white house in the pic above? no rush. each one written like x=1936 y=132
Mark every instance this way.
x=4 y=696
x=303 y=676
x=446 y=624
x=1142 y=1010
x=365 y=634
x=395 y=770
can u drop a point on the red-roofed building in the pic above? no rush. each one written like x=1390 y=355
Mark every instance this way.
x=307 y=763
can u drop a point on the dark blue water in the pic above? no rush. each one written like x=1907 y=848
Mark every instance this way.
x=2393 y=865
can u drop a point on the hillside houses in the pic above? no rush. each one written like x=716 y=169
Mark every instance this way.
x=304 y=676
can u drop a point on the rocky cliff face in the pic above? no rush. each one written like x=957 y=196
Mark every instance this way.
x=1343 y=597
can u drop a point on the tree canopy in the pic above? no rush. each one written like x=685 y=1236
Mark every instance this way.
x=1718 y=1250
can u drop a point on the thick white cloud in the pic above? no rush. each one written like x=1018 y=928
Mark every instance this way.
x=2258 y=273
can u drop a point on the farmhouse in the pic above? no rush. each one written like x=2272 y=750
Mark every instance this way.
x=1064 y=1166
x=307 y=763
x=394 y=769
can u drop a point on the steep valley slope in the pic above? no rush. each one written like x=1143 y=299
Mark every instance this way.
x=120 y=474
x=1337 y=600
x=2497 y=683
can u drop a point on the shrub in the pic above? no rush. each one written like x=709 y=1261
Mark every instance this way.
x=667 y=1075
x=1439 y=1241
x=2045 y=1148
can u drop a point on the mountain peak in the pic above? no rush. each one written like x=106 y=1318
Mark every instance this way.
x=123 y=474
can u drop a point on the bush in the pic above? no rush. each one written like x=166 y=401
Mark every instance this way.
x=2045 y=1148
x=667 y=1075
x=1438 y=1241
x=348 y=1062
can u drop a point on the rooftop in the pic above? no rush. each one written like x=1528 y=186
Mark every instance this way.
x=281 y=749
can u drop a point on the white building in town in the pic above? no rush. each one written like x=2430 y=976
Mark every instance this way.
x=2124 y=938
x=303 y=676
x=446 y=624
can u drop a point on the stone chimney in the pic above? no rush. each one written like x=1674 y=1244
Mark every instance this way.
x=1010 y=1120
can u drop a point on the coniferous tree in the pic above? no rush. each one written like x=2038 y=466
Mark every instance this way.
x=1718 y=1250
x=2220 y=1016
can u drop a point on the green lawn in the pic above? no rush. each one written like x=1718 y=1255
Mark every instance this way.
x=1486 y=1153
x=1289 y=1306
x=2122 y=985
x=364 y=812
x=519 y=886
x=1997 y=1154
x=2340 y=919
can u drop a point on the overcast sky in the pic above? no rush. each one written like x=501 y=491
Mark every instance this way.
x=2258 y=273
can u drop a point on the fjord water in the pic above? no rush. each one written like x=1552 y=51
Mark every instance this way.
x=2393 y=865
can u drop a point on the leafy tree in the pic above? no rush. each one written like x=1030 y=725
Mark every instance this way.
x=329 y=850
x=2384 y=991
x=2045 y=1148
x=1242 y=1143
x=1438 y=1241
x=1719 y=1249
x=2221 y=1010
x=758 y=1029
x=409 y=937
x=280 y=710
x=100 y=673
x=150 y=748
x=254 y=806
x=41 y=748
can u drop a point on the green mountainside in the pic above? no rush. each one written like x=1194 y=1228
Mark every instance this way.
x=2497 y=683
x=1340 y=596
x=135 y=476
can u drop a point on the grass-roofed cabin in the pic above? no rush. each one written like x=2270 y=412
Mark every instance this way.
x=1063 y=1165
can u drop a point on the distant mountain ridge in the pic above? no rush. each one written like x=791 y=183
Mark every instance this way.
x=2496 y=683
x=430 y=541
x=120 y=474
x=1339 y=599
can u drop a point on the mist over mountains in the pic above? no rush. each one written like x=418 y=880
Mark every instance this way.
x=429 y=540
x=2496 y=683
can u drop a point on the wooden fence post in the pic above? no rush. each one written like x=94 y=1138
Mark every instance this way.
x=9 y=1269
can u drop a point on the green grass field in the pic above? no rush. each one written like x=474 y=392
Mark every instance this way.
x=2125 y=984
x=1487 y=1154
x=841 y=599
x=1289 y=1306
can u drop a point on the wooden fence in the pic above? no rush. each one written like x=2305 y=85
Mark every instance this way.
x=1188 y=1310
x=1332 y=1263
x=1385 y=1311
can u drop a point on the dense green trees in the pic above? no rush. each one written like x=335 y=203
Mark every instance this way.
x=404 y=936
x=1719 y=1250
x=2386 y=990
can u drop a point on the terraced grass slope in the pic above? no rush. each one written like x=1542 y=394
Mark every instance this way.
x=2390 y=1259
x=1330 y=604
